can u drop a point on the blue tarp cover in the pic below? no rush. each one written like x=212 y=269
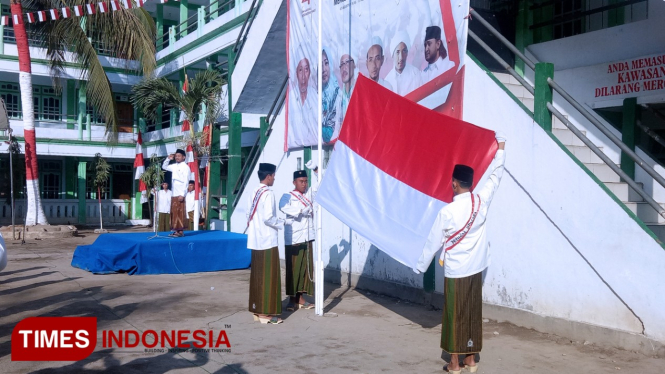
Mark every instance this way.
x=133 y=253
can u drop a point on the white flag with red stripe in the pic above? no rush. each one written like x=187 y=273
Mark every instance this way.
x=91 y=8
x=41 y=15
x=115 y=5
x=18 y=20
x=140 y=168
x=140 y=3
x=163 y=1
x=78 y=11
x=127 y=4
x=30 y=17
x=54 y=14
x=103 y=7
x=66 y=13
x=391 y=198
x=4 y=20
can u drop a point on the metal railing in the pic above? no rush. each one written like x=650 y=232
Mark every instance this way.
x=253 y=156
x=244 y=31
x=565 y=95
x=185 y=28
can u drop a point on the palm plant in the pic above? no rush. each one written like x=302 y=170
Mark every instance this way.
x=102 y=172
x=204 y=90
x=128 y=34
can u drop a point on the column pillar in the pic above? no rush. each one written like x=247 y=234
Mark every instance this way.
x=159 y=25
x=543 y=95
x=184 y=10
x=82 y=107
x=81 y=191
x=628 y=134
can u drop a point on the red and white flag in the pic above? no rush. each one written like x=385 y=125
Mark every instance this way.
x=115 y=5
x=78 y=10
x=90 y=8
x=54 y=14
x=41 y=15
x=391 y=171
x=30 y=17
x=4 y=21
x=163 y=1
x=140 y=168
x=183 y=118
x=140 y=3
x=127 y=4
x=103 y=7
x=18 y=20
x=66 y=13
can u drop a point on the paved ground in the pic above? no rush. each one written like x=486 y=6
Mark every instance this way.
x=364 y=333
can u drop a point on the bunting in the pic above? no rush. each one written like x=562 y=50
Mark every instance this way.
x=140 y=168
x=76 y=10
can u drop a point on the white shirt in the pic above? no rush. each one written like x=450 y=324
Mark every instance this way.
x=190 y=201
x=262 y=229
x=164 y=201
x=179 y=176
x=299 y=227
x=471 y=255
x=3 y=254
x=407 y=81
x=437 y=68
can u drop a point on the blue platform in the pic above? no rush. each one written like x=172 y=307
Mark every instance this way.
x=198 y=251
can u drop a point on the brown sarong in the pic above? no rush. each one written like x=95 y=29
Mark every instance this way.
x=299 y=268
x=164 y=222
x=462 y=325
x=265 y=283
x=178 y=214
x=190 y=217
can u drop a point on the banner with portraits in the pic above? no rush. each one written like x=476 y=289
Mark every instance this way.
x=414 y=48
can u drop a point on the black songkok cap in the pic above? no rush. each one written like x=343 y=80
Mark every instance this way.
x=269 y=168
x=181 y=152
x=299 y=174
x=463 y=173
x=433 y=32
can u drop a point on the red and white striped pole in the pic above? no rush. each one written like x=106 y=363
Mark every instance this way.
x=35 y=214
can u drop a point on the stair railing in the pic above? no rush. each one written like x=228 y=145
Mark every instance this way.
x=624 y=148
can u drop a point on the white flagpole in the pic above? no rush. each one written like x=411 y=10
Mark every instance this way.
x=318 y=292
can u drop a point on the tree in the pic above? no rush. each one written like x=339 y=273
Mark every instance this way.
x=102 y=173
x=153 y=177
x=127 y=34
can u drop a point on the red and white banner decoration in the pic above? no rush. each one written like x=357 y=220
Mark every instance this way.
x=76 y=10
x=140 y=168
x=389 y=190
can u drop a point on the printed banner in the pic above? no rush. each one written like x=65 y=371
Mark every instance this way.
x=414 y=48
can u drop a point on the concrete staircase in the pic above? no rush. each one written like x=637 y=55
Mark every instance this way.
x=631 y=199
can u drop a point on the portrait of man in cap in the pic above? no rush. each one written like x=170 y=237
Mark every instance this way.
x=436 y=54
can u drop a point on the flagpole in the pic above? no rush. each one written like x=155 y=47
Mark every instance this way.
x=318 y=292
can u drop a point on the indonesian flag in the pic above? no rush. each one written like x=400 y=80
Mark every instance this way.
x=54 y=14
x=194 y=175
x=4 y=20
x=115 y=5
x=91 y=8
x=140 y=168
x=18 y=20
x=140 y=3
x=183 y=117
x=78 y=10
x=31 y=17
x=127 y=4
x=103 y=7
x=66 y=13
x=163 y=1
x=41 y=15
x=391 y=171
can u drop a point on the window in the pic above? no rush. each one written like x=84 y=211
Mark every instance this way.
x=90 y=190
x=11 y=95
x=47 y=104
x=50 y=172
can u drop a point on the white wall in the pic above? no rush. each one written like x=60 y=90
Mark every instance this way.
x=631 y=40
